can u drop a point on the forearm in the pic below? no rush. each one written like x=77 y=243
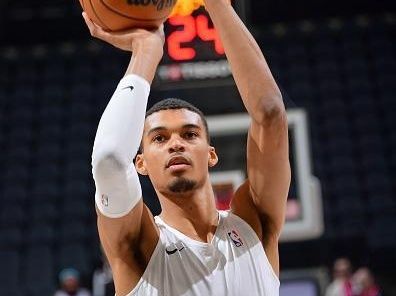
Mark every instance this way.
x=252 y=75
x=121 y=126
x=144 y=62
x=147 y=47
x=117 y=141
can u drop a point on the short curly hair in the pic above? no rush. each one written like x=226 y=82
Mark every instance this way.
x=175 y=104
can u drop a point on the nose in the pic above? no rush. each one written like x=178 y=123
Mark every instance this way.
x=176 y=145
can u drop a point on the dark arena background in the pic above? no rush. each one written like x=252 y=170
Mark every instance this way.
x=335 y=62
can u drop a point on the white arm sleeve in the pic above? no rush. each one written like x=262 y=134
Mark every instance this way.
x=117 y=141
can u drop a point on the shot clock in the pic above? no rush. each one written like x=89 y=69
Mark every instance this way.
x=193 y=50
x=192 y=38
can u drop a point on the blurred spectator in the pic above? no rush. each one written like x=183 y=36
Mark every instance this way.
x=363 y=283
x=341 y=284
x=102 y=281
x=69 y=279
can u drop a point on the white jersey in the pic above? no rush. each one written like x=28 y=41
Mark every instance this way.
x=233 y=264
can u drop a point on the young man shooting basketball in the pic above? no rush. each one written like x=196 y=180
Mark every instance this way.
x=191 y=249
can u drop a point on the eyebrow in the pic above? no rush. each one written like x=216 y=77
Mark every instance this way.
x=161 y=128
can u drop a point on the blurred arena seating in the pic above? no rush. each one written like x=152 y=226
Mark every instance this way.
x=51 y=98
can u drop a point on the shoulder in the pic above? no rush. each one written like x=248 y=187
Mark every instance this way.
x=235 y=223
x=243 y=207
x=334 y=288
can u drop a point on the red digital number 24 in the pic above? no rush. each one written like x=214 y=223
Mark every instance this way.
x=191 y=28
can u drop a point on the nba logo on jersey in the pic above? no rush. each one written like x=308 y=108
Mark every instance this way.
x=105 y=200
x=234 y=236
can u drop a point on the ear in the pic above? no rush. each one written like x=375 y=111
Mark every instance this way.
x=213 y=159
x=140 y=165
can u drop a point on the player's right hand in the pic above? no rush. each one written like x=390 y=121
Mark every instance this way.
x=129 y=40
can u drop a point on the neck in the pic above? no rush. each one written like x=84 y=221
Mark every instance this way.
x=193 y=214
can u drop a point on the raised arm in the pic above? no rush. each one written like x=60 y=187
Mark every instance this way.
x=126 y=227
x=261 y=201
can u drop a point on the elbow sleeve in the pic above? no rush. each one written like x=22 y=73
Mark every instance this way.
x=118 y=189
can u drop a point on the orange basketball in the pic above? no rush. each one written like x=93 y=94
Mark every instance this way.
x=116 y=15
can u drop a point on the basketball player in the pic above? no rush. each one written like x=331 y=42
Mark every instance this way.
x=191 y=248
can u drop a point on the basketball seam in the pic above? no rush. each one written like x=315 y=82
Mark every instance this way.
x=130 y=17
x=97 y=16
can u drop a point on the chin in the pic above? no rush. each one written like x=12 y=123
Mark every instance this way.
x=182 y=185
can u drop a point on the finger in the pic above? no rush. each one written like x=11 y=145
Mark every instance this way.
x=95 y=30
x=161 y=32
x=88 y=22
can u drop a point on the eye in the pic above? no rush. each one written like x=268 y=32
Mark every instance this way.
x=159 y=139
x=190 y=135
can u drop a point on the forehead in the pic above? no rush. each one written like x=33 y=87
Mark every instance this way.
x=172 y=119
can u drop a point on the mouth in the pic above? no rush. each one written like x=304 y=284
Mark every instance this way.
x=178 y=163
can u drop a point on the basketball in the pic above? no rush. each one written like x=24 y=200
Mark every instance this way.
x=116 y=15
